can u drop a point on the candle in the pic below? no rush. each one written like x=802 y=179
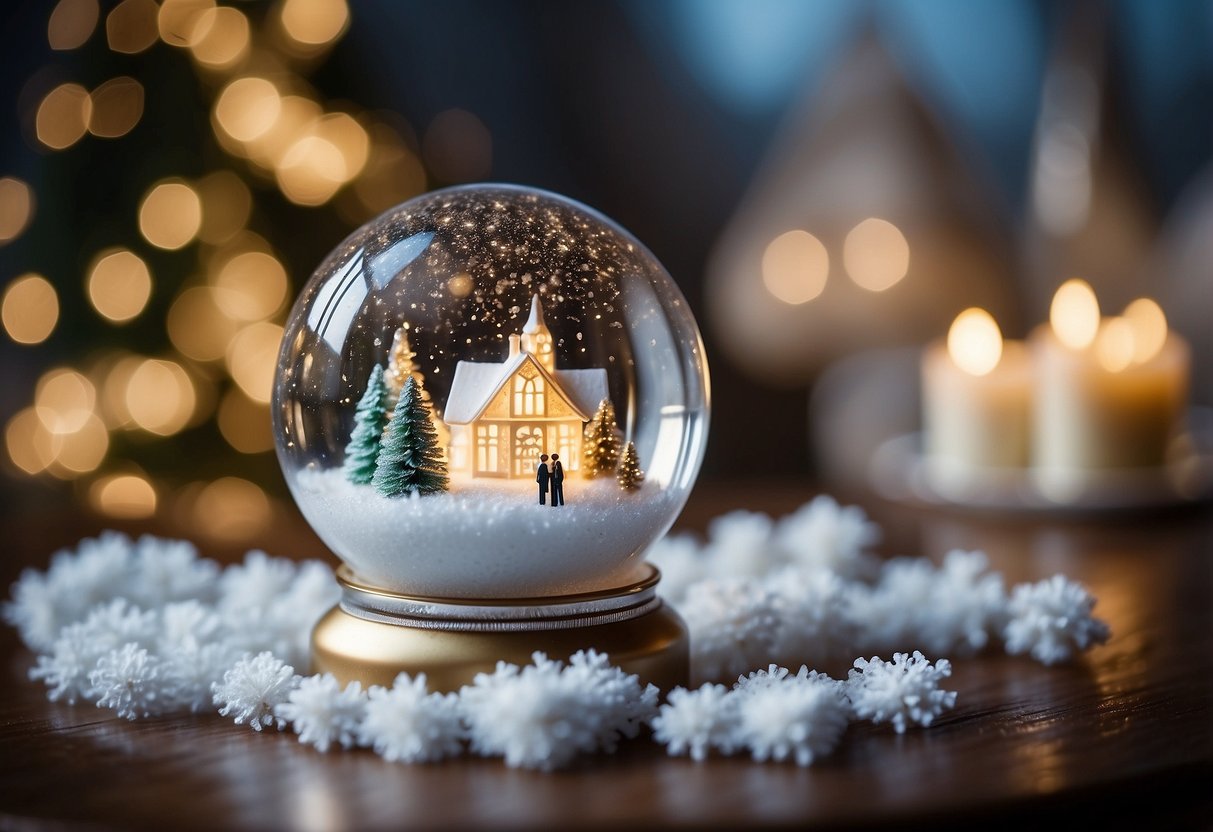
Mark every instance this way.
x=976 y=402
x=1111 y=392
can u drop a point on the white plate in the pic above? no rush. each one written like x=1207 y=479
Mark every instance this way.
x=899 y=472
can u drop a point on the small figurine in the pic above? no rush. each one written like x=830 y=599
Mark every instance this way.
x=557 y=481
x=542 y=475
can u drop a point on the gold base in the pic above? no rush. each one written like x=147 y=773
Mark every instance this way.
x=373 y=634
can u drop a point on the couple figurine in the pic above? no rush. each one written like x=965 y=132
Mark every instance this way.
x=550 y=475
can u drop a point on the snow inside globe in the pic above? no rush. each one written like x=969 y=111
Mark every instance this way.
x=491 y=392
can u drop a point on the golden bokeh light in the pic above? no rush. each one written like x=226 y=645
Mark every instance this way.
x=131 y=27
x=458 y=147
x=1074 y=314
x=226 y=206
x=170 y=214
x=178 y=19
x=64 y=400
x=245 y=424
x=247 y=108
x=63 y=116
x=160 y=396
x=252 y=357
x=312 y=23
x=83 y=450
x=113 y=382
x=1114 y=346
x=1149 y=325
x=31 y=447
x=296 y=116
x=117 y=106
x=16 y=208
x=231 y=509
x=311 y=171
x=220 y=37
x=250 y=286
x=72 y=23
x=30 y=309
x=123 y=496
x=795 y=267
x=197 y=326
x=876 y=255
x=975 y=342
x=349 y=137
x=460 y=286
x=119 y=284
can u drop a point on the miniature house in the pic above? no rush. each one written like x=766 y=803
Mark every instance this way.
x=503 y=416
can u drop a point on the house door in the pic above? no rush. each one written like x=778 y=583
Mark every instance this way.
x=528 y=444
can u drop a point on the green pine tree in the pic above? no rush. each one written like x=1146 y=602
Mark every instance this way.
x=600 y=448
x=370 y=418
x=411 y=458
x=630 y=476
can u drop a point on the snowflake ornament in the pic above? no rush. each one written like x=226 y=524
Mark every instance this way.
x=824 y=535
x=164 y=571
x=253 y=688
x=696 y=721
x=801 y=717
x=739 y=545
x=903 y=691
x=127 y=681
x=322 y=713
x=1051 y=620
x=733 y=625
x=406 y=723
x=681 y=562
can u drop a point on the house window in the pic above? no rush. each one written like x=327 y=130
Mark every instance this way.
x=528 y=441
x=529 y=399
x=488 y=446
x=567 y=442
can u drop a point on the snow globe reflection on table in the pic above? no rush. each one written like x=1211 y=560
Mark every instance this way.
x=430 y=365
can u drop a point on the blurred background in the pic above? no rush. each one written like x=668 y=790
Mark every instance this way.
x=829 y=182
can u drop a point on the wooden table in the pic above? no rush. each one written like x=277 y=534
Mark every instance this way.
x=1122 y=738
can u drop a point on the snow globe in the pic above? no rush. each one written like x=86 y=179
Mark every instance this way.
x=489 y=401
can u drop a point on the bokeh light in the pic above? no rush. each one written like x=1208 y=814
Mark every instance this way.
x=117 y=106
x=230 y=509
x=876 y=255
x=82 y=450
x=247 y=108
x=250 y=286
x=197 y=326
x=63 y=116
x=130 y=28
x=64 y=400
x=170 y=214
x=30 y=309
x=312 y=23
x=16 y=208
x=178 y=19
x=219 y=37
x=226 y=206
x=252 y=357
x=245 y=424
x=72 y=23
x=160 y=396
x=31 y=447
x=119 y=284
x=975 y=342
x=1074 y=314
x=1114 y=345
x=795 y=267
x=123 y=496
x=1149 y=325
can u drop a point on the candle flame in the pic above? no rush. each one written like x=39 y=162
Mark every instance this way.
x=1074 y=314
x=975 y=342
x=1149 y=326
x=1115 y=345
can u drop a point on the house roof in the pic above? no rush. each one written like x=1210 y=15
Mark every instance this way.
x=476 y=383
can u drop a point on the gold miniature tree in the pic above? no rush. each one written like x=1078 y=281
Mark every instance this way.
x=629 y=474
x=401 y=367
x=601 y=443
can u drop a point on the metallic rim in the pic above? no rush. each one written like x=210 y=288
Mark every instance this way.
x=499 y=615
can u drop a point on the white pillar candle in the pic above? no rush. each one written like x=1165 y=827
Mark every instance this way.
x=1110 y=396
x=976 y=402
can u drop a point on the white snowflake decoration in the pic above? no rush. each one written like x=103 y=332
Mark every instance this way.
x=800 y=717
x=903 y=691
x=126 y=681
x=824 y=535
x=253 y=688
x=406 y=723
x=1051 y=620
x=322 y=713
x=733 y=625
x=695 y=721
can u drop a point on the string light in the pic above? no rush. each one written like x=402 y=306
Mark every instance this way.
x=30 y=309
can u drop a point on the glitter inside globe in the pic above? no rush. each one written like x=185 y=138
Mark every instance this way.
x=446 y=346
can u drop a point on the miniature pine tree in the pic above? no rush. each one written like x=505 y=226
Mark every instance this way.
x=370 y=418
x=411 y=459
x=629 y=475
x=400 y=367
x=600 y=450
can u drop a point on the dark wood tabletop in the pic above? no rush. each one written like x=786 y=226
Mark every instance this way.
x=1123 y=737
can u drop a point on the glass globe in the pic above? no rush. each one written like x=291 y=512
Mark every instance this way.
x=463 y=362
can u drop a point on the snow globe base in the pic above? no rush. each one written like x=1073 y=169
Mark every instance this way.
x=374 y=634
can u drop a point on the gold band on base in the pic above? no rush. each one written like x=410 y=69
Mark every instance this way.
x=374 y=634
